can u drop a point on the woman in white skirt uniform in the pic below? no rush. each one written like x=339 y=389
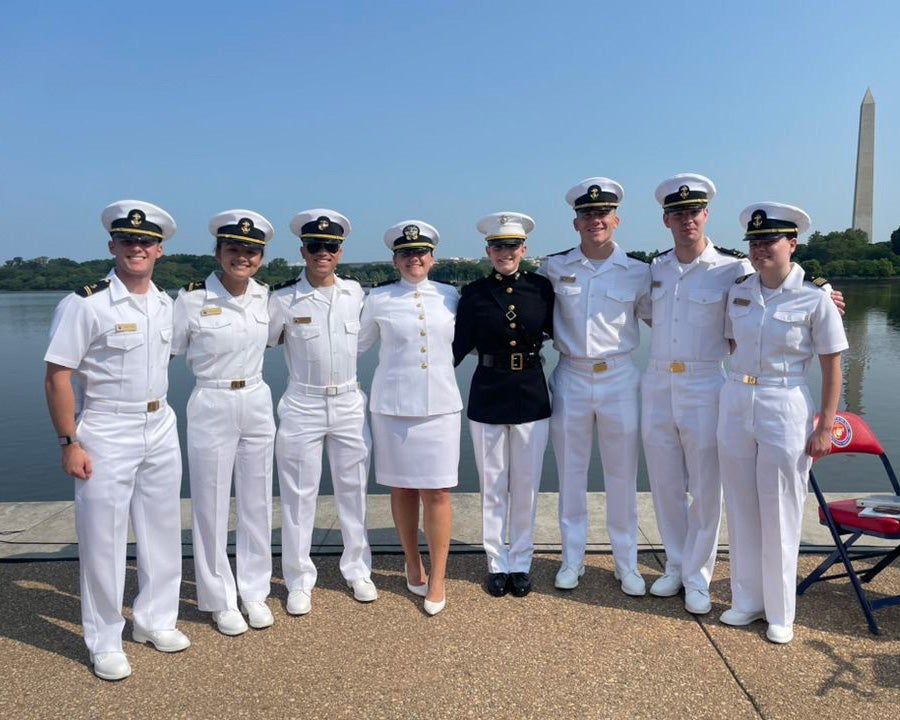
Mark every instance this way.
x=778 y=320
x=415 y=403
x=222 y=325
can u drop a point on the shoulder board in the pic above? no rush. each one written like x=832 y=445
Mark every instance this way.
x=561 y=252
x=286 y=283
x=443 y=282
x=639 y=258
x=383 y=283
x=348 y=277
x=664 y=252
x=743 y=277
x=89 y=290
x=195 y=285
x=730 y=252
x=160 y=288
x=819 y=282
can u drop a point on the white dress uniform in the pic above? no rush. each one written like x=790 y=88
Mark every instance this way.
x=680 y=406
x=119 y=346
x=415 y=402
x=230 y=434
x=765 y=418
x=321 y=405
x=595 y=385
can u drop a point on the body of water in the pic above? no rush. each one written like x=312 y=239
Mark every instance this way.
x=30 y=454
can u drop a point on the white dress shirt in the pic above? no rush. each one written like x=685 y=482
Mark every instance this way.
x=320 y=336
x=597 y=308
x=415 y=322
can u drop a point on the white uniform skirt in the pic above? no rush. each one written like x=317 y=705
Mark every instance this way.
x=416 y=452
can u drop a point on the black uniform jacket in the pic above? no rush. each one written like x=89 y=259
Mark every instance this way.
x=506 y=318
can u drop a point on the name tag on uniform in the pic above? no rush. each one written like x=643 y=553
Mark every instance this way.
x=567 y=278
x=207 y=311
x=656 y=283
x=740 y=301
x=126 y=327
x=302 y=320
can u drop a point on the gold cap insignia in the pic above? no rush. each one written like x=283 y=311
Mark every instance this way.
x=758 y=218
x=684 y=191
x=136 y=217
x=324 y=223
x=504 y=219
x=594 y=192
x=246 y=225
x=411 y=232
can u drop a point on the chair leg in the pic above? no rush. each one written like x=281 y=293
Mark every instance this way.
x=816 y=574
x=857 y=586
x=880 y=565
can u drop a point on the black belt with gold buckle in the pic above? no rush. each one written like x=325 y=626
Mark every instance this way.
x=512 y=361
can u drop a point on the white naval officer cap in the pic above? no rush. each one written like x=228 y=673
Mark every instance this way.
x=768 y=220
x=138 y=218
x=242 y=227
x=411 y=234
x=685 y=191
x=505 y=228
x=320 y=224
x=595 y=194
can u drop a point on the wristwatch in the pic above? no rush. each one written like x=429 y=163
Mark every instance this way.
x=66 y=440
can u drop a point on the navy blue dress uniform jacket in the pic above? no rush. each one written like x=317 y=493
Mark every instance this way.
x=506 y=319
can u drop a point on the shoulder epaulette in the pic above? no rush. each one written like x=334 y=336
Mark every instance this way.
x=664 y=252
x=561 y=252
x=383 y=283
x=642 y=257
x=729 y=251
x=742 y=278
x=160 y=288
x=444 y=282
x=819 y=282
x=348 y=277
x=195 y=285
x=286 y=283
x=89 y=290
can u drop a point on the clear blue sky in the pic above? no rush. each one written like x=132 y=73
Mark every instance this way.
x=444 y=111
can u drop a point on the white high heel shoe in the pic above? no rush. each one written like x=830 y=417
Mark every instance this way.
x=420 y=590
x=434 y=607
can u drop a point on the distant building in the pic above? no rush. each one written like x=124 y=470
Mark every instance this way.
x=865 y=167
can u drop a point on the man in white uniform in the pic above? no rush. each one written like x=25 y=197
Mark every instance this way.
x=680 y=390
x=317 y=318
x=600 y=293
x=114 y=339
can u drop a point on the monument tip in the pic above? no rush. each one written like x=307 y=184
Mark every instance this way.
x=868 y=99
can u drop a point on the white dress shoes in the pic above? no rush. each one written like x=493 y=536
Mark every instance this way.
x=111 y=666
x=258 y=614
x=780 y=634
x=363 y=590
x=433 y=607
x=739 y=618
x=420 y=590
x=697 y=602
x=632 y=583
x=163 y=640
x=567 y=577
x=299 y=602
x=666 y=586
x=229 y=622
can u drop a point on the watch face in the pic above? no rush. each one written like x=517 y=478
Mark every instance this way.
x=65 y=440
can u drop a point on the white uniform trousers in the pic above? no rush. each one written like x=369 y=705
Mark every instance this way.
x=136 y=470
x=762 y=436
x=306 y=423
x=231 y=434
x=509 y=460
x=608 y=401
x=679 y=415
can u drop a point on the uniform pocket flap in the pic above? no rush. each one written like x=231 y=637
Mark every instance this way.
x=621 y=295
x=125 y=341
x=568 y=290
x=705 y=297
x=791 y=316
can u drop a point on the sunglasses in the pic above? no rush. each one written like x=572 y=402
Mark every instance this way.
x=314 y=247
x=130 y=240
x=412 y=252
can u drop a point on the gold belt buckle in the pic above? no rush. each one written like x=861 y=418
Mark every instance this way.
x=677 y=367
x=331 y=390
x=516 y=361
x=153 y=406
x=749 y=380
x=600 y=366
x=238 y=384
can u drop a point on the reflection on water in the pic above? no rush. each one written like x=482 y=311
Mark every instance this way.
x=31 y=457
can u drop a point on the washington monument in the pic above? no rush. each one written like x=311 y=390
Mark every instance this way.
x=865 y=167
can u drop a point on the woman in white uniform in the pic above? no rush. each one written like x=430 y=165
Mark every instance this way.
x=415 y=403
x=222 y=325
x=777 y=321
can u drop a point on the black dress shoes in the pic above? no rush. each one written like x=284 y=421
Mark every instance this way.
x=520 y=584
x=497 y=584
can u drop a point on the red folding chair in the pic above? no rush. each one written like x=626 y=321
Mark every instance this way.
x=851 y=434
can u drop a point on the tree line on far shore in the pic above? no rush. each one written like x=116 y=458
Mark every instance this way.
x=846 y=254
